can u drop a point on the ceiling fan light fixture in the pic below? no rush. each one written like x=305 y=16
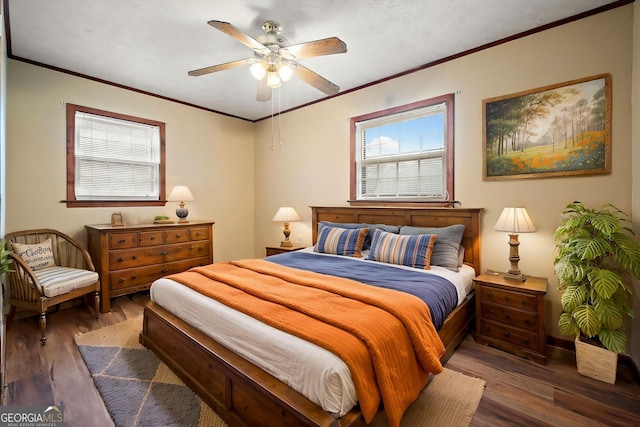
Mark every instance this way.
x=258 y=70
x=285 y=71
x=273 y=80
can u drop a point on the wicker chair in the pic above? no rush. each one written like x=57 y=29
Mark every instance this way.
x=37 y=289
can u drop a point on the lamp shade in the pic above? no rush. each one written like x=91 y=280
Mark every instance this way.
x=286 y=214
x=180 y=193
x=515 y=220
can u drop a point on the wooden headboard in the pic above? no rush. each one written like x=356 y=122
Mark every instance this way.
x=417 y=217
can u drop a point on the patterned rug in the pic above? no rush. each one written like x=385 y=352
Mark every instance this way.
x=139 y=390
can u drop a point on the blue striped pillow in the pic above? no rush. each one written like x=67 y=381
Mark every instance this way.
x=341 y=241
x=412 y=251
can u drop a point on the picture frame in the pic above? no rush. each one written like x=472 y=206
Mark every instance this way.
x=117 y=220
x=552 y=131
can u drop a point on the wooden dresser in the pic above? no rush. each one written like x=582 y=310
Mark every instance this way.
x=510 y=315
x=130 y=258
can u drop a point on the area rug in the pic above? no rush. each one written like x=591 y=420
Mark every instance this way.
x=139 y=390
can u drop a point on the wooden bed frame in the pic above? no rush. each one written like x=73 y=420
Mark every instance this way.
x=245 y=395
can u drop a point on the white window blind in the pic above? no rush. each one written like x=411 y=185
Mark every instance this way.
x=116 y=159
x=403 y=155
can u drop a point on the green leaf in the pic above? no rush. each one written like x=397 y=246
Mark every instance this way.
x=587 y=320
x=572 y=297
x=609 y=313
x=605 y=282
x=613 y=339
x=567 y=325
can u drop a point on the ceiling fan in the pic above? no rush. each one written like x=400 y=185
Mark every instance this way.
x=274 y=58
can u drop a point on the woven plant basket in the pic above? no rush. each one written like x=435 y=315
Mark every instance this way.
x=596 y=362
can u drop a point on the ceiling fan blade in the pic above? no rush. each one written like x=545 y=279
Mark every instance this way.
x=239 y=35
x=264 y=91
x=220 y=67
x=316 y=80
x=328 y=46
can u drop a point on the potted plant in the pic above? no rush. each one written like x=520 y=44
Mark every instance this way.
x=597 y=256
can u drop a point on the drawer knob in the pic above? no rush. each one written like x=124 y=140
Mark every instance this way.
x=134 y=257
x=120 y=259
x=526 y=340
x=526 y=320
x=507 y=317
x=164 y=253
x=506 y=298
x=200 y=248
x=490 y=294
x=197 y=234
x=506 y=334
x=153 y=238
x=121 y=241
x=122 y=279
x=524 y=302
x=134 y=277
x=178 y=235
x=165 y=270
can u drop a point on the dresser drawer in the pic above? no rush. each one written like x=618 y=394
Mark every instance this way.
x=518 y=318
x=510 y=298
x=138 y=257
x=508 y=334
x=123 y=240
x=135 y=277
x=201 y=233
x=180 y=235
x=150 y=238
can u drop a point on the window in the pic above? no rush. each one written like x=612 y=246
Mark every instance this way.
x=114 y=159
x=404 y=154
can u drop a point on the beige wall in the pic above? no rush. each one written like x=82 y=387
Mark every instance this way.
x=202 y=151
x=311 y=167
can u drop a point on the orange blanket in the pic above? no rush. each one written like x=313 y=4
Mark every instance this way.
x=385 y=337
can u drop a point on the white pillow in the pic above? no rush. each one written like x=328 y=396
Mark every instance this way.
x=37 y=256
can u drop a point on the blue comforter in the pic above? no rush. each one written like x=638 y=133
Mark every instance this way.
x=438 y=293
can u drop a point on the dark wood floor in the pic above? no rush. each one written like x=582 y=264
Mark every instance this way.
x=518 y=392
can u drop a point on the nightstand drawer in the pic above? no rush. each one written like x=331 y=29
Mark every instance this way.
x=518 y=318
x=510 y=335
x=510 y=298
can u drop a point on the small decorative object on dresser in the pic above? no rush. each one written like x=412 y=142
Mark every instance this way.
x=130 y=258
x=275 y=250
x=510 y=315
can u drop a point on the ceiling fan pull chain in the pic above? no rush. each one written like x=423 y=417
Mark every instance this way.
x=279 y=118
x=272 y=147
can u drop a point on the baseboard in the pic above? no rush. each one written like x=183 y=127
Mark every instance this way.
x=623 y=359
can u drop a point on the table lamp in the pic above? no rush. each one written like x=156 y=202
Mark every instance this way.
x=514 y=221
x=286 y=215
x=181 y=194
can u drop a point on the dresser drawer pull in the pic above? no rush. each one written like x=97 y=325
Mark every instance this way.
x=120 y=259
x=526 y=320
x=164 y=253
x=121 y=241
x=200 y=248
x=197 y=234
x=178 y=235
x=490 y=294
x=506 y=298
x=524 y=302
x=122 y=279
x=165 y=270
x=526 y=340
x=506 y=334
x=134 y=257
x=134 y=277
x=153 y=237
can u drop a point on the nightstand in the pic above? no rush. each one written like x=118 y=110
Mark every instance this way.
x=510 y=315
x=274 y=250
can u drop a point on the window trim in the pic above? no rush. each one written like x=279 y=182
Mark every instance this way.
x=448 y=100
x=71 y=160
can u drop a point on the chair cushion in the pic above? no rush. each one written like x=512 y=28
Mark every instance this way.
x=37 y=255
x=60 y=280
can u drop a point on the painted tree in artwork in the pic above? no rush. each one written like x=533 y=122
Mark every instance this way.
x=556 y=130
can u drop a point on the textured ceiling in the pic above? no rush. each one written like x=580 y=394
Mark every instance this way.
x=150 y=46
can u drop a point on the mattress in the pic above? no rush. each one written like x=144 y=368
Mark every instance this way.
x=309 y=369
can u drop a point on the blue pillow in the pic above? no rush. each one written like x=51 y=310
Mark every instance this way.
x=341 y=241
x=372 y=227
x=412 y=251
x=447 y=248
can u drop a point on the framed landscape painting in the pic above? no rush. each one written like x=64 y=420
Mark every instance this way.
x=558 y=130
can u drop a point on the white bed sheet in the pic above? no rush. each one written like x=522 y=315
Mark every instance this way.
x=311 y=370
